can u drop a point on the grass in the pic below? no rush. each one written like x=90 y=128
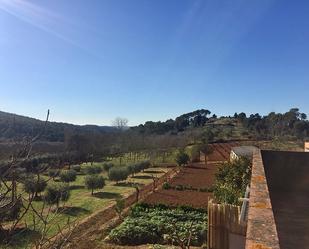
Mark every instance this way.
x=81 y=203
x=156 y=157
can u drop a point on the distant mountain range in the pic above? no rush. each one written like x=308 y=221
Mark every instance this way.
x=14 y=126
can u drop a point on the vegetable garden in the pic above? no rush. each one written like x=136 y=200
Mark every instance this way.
x=159 y=224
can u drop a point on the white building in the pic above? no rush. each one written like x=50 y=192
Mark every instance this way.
x=306 y=146
x=242 y=151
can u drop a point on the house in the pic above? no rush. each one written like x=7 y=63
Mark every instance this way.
x=306 y=147
x=242 y=151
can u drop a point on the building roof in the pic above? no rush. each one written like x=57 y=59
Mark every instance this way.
x=244 y=151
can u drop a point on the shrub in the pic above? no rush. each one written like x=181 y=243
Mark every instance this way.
x=107 y=166
x=182 y=158
x=166 y=185
x=206 y=149
x=145 y=165
x=195 y=153
x=94 y=182
x=12 y=213
x=231 y=181
x=53 y=173
x=204 y=189
x=77 y=168
x=93 y=169
x=34 y=186
x=56 y=192
x=118 y=174
x=179 y=188
x=133 y=169
x=68 y=176
x=120 y=206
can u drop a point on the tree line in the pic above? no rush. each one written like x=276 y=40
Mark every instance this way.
x=291 y=124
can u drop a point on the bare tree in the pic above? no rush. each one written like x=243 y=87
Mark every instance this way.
x=15 y=204
x=120 y=123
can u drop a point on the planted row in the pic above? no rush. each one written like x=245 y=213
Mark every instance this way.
x=180 y=187
x=121 y=173
x=159 y=224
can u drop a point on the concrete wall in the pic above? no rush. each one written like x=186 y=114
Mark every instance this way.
x=286 y=171
x=287 y=175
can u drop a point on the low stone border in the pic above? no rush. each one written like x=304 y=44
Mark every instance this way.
x=261 y=227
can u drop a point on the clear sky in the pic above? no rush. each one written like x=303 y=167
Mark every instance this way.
x=90 y=61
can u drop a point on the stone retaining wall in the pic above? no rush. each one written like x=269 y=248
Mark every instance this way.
x=261 y=227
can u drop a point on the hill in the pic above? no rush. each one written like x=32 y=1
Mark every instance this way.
x=13 y=126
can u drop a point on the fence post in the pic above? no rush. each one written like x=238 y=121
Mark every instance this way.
x=223 y=219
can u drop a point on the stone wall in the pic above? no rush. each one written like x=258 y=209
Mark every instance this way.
x=261 y=227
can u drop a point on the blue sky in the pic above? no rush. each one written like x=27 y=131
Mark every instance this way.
x=91 y=61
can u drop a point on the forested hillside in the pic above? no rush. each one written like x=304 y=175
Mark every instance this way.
x=13 y=126
x=292 y=124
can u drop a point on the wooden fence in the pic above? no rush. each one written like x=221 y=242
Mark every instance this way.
x=225 y=231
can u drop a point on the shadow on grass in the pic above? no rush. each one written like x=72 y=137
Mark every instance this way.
x=142 y=177
x=154 y=171
x=107 y=195
x=38 y=198
x=77 y=187
x=21 y=238
x=73 y=211
x=128 y=184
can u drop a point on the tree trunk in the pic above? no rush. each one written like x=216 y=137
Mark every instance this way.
x=91 y=191
x=14 y=195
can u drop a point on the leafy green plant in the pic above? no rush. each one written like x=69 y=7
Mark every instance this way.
x=120 y=206
x=154 y=224
x=179 y=188
x=182 y=158
x=166 y=185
